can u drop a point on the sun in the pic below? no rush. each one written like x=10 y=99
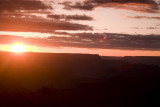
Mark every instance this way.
x=18 y=48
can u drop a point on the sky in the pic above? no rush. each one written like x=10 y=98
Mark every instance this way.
x=104 y=27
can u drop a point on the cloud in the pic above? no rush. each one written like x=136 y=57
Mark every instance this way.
x=111 y=41
x=24 y=8
x=13 y=5
x=9 y=39
x=70 y=17
x=93 y=40
x=86 y=5
x=143 y=17
x=158 y=24
x=38 y=25
x=149 y=6
x=29 y=16
x=152 y=27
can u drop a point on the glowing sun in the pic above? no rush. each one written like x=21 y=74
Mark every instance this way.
x=18 y=48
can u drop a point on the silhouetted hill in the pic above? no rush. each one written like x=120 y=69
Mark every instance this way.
x=47 y=79
x=148 y=60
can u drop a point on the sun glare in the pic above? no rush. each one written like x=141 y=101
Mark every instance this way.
x=18 y=48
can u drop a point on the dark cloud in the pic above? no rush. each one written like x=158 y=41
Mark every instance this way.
x=143 y=17
x=111 y=41
x=38 y=25
x=149 y=6
x=13 y=5
x=20 y=15
x=152 y=28
x=23 y=8
x=70 y=17
x=93 y=40
x=86 y=5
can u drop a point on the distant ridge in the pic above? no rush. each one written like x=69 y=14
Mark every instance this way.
x=148 y=60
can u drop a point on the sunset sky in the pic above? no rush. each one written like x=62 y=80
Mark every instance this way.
x=104 y=27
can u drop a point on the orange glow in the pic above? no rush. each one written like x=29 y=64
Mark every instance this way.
x=101 y=52
x=18 y=48
x=26 y=34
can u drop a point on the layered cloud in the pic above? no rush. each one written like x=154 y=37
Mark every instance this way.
x=41 y=16
x=31 y=16
x=149 y=6
x=70 y=17
x=38 y=25
x=117 y=41
x=144 y=17
x=16 y=5
x=93 y=40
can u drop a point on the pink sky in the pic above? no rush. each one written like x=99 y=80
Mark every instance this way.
x=131 y=28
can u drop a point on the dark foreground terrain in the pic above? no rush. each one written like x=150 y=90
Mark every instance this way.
x=78 y=80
